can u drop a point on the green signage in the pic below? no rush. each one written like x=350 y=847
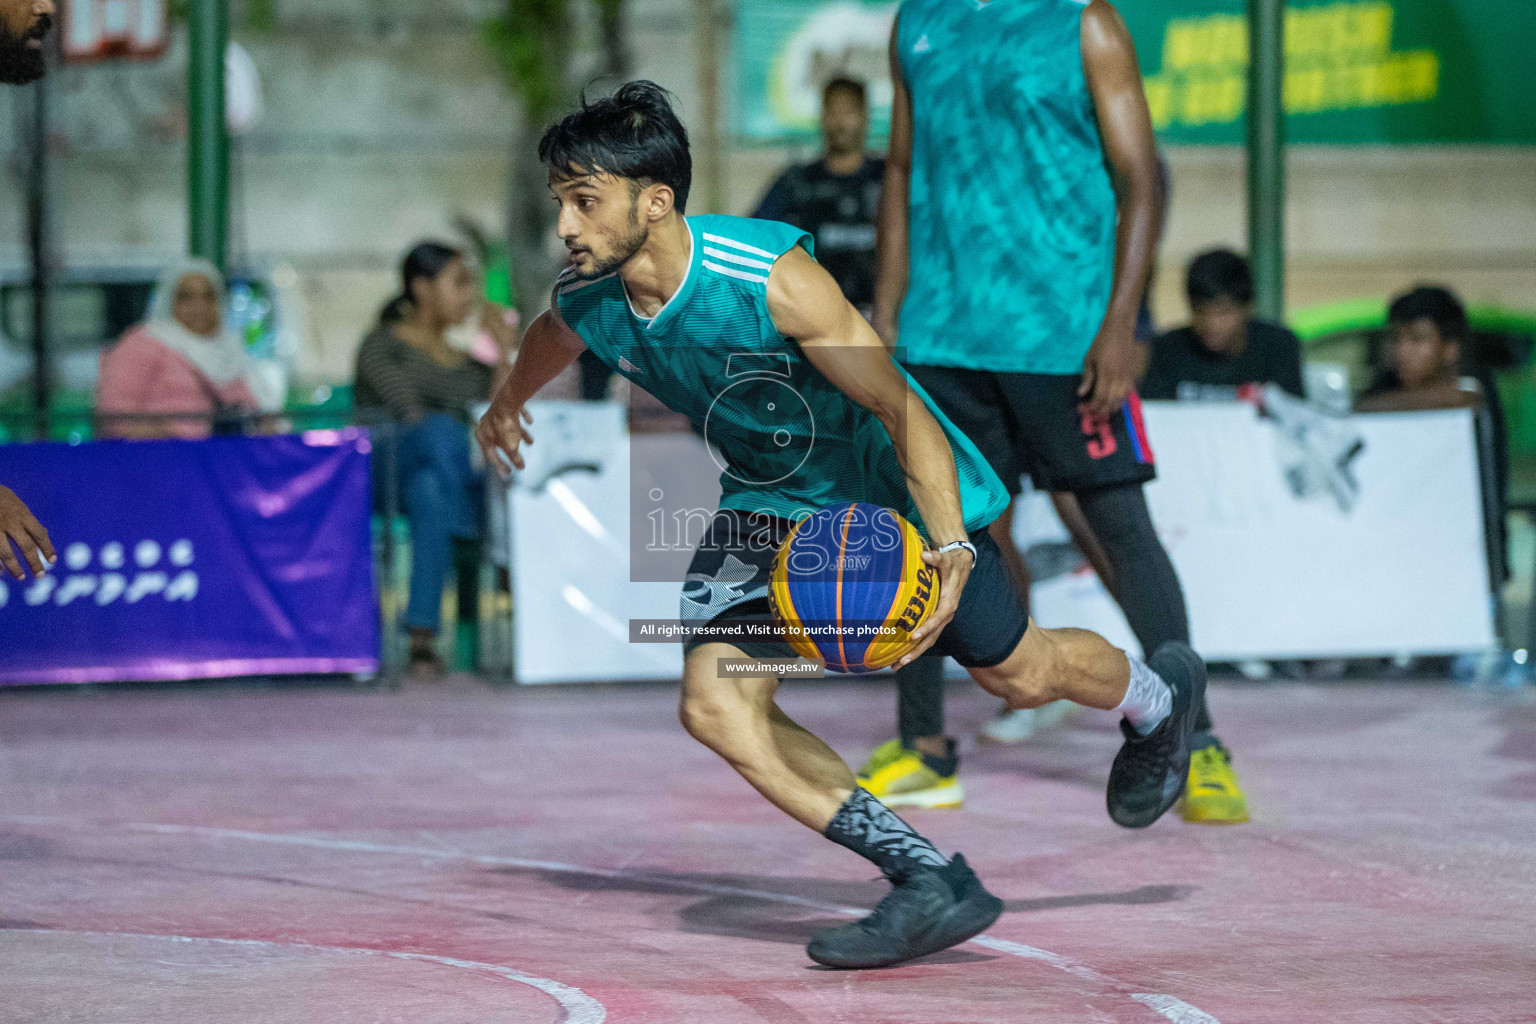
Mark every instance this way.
x=787 y=49
x=1357 y=71
x=1363 y=71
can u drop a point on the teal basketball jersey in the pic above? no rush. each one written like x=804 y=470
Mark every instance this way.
x=1012 y=212
x=788 y=441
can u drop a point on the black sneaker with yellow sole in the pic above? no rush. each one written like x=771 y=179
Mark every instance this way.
x=929 y=910
x=1150 y=771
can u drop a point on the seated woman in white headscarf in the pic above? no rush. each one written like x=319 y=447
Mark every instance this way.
x=181 y=370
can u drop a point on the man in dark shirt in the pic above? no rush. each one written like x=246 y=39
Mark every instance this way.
x=1224 y=347
x=24 y=24
x=836 y=197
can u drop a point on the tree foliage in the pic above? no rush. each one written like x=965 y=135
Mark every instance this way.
x=531 y=42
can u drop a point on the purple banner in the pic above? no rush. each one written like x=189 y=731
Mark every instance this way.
x=232 y=556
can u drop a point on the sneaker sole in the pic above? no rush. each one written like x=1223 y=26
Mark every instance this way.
x=937 y=798
x=1006 y=730
x=1054 y=713
x=1047 y=717
x=1196 y=670
x=961 y=923
x=1198 y=818
x=988 y=740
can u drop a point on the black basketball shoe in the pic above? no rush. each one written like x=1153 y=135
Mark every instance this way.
x=1150 y=771
x=929 y=910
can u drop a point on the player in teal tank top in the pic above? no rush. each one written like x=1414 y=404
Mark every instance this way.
x=714 y=354
x=1013 y=214
x=1016 y=232
x=732 y=323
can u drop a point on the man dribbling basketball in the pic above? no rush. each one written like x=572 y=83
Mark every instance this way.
x=669 y=302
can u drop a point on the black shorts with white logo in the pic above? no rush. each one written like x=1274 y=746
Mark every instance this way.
x=728 y=582
x=1029 y=423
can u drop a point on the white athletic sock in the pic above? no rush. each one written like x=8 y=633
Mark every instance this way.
x=1148 y=700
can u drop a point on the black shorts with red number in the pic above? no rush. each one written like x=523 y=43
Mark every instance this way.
x=727 y=582
x=1029 y=423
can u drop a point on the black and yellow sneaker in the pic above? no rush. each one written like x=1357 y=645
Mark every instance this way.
x=1213 y=796
x=1150 y=771
x=898 y=776
x=929 y=910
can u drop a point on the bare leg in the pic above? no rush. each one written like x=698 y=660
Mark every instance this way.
x=1057 y=664
x=738 y=719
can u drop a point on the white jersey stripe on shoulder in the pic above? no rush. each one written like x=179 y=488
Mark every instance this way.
x=731 y=257
x=733 y=272
x=743 y=246
x=578 y=285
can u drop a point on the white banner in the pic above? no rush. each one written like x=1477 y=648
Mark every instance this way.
x=1387 y=558
x=1270 y=574
x=571 y=542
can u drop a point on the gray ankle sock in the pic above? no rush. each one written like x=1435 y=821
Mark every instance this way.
x=870 y=829
x=1148 y=700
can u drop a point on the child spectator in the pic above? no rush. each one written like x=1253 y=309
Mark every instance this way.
x=1428 y=326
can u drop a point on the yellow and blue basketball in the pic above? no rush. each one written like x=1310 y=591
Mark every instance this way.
x=850 y=585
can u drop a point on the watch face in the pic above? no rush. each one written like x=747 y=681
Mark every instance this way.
x=762 y=428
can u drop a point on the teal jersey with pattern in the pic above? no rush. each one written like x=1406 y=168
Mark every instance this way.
x=1013 y=216
x=787 y=439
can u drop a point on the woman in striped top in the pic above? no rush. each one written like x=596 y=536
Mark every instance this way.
x=411 y=378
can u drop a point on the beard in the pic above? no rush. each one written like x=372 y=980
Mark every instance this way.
x=19 y=62
x=623 y=250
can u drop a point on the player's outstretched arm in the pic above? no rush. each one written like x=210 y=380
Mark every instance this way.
x=1130 y=149
x=549 y=346
x=805 y=304
x=893 y=220
x=19 y=526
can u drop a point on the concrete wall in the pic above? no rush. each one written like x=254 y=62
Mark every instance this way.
x=1361 y=221
x=1368 y=221
x=385 y=120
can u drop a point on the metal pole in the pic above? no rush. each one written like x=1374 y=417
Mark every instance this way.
x=39 y=237
x=207 y=135
x=1266 y=155
x=706 y=15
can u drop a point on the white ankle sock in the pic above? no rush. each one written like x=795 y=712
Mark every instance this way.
x=1148 y=700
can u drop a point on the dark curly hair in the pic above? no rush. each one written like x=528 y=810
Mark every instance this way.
x=633 y=134
x=1438 y=305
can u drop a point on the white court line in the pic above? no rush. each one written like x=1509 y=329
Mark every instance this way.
x=1176 y=1010
x=577 y=1007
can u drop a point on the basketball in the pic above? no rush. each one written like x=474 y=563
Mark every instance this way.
x=850 y=585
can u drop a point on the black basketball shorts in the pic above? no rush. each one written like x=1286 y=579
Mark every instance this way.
x=1029 y=423
x=728 y=578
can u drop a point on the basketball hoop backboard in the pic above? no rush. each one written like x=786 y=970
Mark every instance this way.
x=103 y=29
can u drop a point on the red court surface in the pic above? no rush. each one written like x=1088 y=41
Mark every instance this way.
x=454 y=854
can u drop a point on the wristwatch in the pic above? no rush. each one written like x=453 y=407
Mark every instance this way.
x=957 y=545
